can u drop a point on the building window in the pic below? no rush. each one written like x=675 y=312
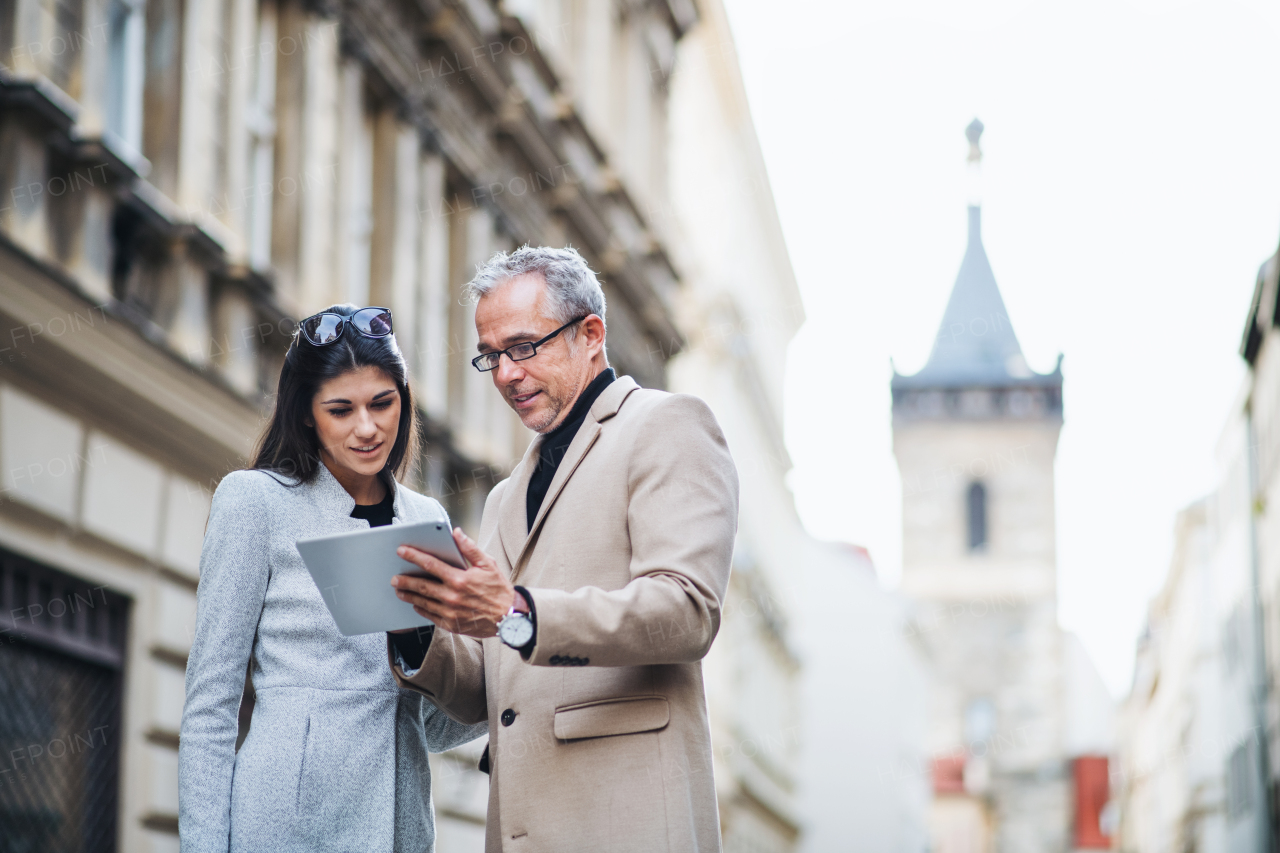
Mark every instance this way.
x=979 y=723
x=126 y=27
x=1241 y=771
x=61 y=658
x=976 y=512
x=51 y=38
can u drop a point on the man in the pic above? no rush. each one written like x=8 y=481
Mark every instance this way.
x=594 y=589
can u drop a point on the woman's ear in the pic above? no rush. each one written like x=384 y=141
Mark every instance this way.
x=306 y=419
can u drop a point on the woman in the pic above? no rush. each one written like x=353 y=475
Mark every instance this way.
x=336 y=756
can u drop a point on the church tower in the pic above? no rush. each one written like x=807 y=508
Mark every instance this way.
x=975 y=433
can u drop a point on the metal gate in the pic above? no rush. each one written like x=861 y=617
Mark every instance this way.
x=61 y=658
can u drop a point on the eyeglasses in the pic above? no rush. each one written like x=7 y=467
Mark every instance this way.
x=326 y=327
x=519 y=352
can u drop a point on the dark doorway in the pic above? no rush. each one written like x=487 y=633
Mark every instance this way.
x=61 y=662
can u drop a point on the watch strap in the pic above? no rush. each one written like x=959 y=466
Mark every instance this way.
x=527 y=649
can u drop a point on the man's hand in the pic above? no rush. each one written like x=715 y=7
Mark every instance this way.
x=463 y=601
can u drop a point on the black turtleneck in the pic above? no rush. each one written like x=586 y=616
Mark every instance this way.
x=556 y=443
x=379 y=514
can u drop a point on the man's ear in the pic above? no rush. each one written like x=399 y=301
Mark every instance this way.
x=596 y=326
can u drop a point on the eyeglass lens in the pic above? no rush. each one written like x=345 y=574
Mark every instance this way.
x=519 y=352
x=326 y=328
x=323 y=328
x=373 y=322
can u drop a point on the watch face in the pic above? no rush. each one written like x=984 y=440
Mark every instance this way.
x=516 y=630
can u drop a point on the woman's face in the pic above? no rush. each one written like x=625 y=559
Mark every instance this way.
x=357 y=417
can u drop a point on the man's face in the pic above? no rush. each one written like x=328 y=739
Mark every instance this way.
x=541 y=389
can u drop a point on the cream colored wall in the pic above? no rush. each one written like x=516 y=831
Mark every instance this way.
x=938 y=461
x=1175 y=736
x=808 y=635
x=340 y=149
x=86 y=501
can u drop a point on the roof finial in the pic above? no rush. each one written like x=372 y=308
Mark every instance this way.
x=974 y=133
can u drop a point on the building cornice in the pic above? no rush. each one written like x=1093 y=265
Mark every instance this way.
x=532 y=113
x=106 y=362
x=1264 y=309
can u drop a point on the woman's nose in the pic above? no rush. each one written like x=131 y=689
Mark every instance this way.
x=365 y=425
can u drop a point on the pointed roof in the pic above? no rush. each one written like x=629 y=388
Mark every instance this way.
x=975 y=344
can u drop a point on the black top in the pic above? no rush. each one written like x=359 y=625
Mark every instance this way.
x=379 y=514
x=556 y=444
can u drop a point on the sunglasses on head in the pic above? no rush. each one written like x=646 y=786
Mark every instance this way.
x=326 y=327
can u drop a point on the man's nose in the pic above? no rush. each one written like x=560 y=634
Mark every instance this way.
x=507 y=371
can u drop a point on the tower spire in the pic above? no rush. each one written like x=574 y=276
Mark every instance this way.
x=975 y=345
x=974 y=133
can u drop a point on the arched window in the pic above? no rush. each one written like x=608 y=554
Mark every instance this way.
x=976 y=506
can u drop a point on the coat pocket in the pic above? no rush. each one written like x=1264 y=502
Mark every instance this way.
x=606 y=717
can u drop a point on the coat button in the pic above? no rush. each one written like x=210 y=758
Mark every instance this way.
x=508 y=717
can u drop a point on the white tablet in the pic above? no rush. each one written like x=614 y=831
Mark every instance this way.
x=353 y=572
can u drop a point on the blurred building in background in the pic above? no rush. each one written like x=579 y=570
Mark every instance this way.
x=1253 y=473
x=180 y=181
x=814 y=693
x=1019 y=726
x=738 y=309
x=1199 y=761
x=1187 y=778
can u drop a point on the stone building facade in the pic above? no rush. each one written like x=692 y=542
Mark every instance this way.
x=975 y=433
x=179 y=182
x=1200 y=725
x=803 y=761
x=738 y=308
x=1188 y=760
x=1257 y=458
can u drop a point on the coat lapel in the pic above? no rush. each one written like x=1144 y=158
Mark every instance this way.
x=335 y=502
x=513 y=523
x=605 y=407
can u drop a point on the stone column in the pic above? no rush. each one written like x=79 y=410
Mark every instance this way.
x=404 y=263
x=318 y=276
x=352 y=256
x=203 y=73
x=432 y=355
x=395 y=226
x=473 y=421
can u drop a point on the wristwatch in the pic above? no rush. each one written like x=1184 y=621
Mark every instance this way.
x=516 y=628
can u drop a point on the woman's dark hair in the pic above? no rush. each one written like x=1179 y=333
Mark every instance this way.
x=289 y=446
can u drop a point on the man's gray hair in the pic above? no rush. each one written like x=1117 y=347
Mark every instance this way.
x=572 y=287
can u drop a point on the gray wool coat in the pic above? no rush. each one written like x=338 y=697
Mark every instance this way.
x=336 y=756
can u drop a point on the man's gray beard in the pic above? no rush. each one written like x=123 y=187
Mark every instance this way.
x=561 y=407
x=550 y=419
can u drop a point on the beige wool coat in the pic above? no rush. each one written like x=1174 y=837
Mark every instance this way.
x=600 y=741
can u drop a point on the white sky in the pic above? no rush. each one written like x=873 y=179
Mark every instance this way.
x=1131 y=190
